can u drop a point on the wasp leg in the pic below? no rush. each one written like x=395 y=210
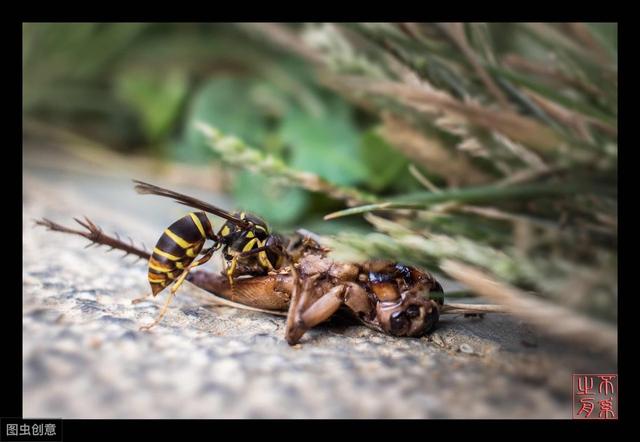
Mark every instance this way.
x=162 y=312
x=140 y=299
x=302 y=318
x=230 y=271
x=207 y=255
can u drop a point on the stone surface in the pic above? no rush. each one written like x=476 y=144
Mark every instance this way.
x=84 y=356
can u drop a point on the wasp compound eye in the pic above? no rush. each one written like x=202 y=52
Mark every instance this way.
x=399 y=323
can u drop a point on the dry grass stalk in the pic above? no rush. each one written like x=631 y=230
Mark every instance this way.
x=493 y=213
x=531 y=159
x=413 y=170
x=578 y=122
x=431 y=153
x=235 y=152
x=550 y=318
x=547 y=32
x=583 y=35
x=282 y=36
x=526 y=175
x=434 y=103
x=455 y=31
x=470 y=309
x=548 y=72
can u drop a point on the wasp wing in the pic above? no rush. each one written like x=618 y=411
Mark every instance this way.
x=146 y=188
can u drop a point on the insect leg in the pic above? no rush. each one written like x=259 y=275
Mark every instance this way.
x=253 y=251
x=140 y=299
x=323 y=308
x=302 y=317
x=294 y=302
x=162 y=312
x=207 y=255
x=230 y=271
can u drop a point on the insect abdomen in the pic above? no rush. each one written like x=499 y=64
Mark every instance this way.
x=176 y=249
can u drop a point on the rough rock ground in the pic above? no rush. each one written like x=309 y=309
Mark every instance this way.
x=84 y=356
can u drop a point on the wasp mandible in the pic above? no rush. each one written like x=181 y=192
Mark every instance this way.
x=248 y=246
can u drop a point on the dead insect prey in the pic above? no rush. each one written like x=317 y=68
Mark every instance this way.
x=268 y=271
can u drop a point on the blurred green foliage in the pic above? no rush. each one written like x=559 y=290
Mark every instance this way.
x=510 y=129
x=141 y=86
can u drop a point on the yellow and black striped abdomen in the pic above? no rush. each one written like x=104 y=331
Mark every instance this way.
x=177 y=248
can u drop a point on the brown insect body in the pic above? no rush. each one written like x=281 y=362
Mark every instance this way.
x=388 y=297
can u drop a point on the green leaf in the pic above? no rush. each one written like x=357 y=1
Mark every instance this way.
x=157 y=98
x=278 y=205
x=326 y=144
x=382 y=162
x=226 y=103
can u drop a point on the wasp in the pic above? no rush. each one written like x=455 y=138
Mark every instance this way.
x=246 y=242
x=388 y=297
